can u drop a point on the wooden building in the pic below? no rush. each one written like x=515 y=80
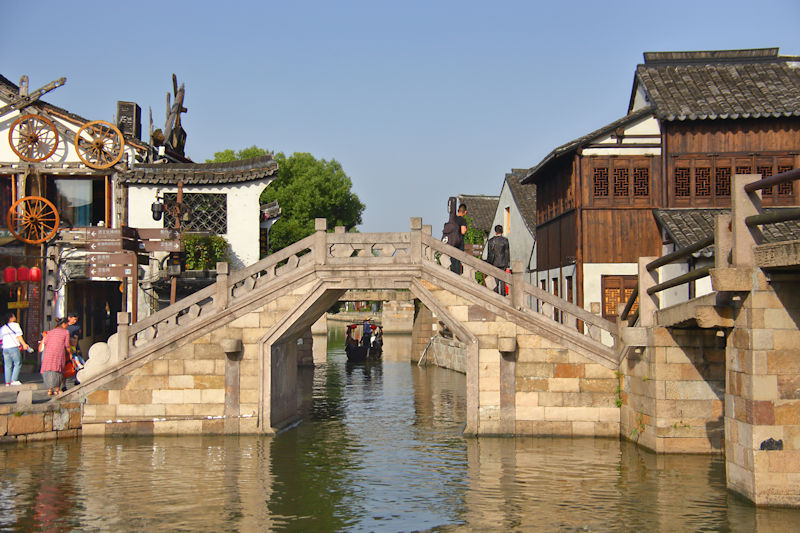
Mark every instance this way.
x=694 y=119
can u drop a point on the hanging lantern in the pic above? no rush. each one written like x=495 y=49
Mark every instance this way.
x=9 y=274
x=35 y=274
x=22 y=273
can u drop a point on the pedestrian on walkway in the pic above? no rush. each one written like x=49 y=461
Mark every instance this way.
x=11 y=338
x=54 y=359
x=499 y=255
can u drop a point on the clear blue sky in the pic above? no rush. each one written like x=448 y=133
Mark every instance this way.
x=418 y=100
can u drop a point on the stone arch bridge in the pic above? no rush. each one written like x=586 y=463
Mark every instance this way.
x=224 y=360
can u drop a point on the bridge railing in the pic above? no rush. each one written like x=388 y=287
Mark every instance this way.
x=339 y=248
x=521 y=295
x=202 y=304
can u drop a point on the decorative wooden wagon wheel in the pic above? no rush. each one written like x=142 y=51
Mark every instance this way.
x=99 y=144
x=33 y=138
x=33 y=219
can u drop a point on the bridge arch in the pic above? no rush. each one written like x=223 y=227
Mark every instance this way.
x=224 y=358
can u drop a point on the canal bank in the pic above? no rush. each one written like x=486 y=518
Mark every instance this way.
x=379 y=449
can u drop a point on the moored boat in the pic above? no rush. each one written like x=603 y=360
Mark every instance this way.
x=363 y=342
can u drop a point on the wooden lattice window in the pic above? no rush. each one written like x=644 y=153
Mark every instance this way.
x=616 y=291
x=207 y=212
x=682 y=182
x=744 y=169
x=785 y=189
x=702 y=181
x=600 y=182
x=621 y=178
x=641 y=182
x=722 y=184
x=765 y=171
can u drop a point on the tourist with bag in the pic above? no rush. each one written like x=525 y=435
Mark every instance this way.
x=56 y=353
x=11 y=339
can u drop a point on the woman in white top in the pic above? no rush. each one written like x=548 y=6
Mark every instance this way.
x=11 y=337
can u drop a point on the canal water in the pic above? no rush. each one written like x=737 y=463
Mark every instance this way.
x=379 y=449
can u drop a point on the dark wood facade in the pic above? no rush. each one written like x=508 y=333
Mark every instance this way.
x=598 y=209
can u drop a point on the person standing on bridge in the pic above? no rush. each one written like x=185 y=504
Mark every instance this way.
x=498 y=254
x=454 y=230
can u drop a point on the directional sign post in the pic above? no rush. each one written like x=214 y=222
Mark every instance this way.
x=115 y=245
x=161 y=246
x=124 y=258
x=116 y=271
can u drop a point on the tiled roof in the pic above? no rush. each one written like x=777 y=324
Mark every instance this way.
x=524 y=197
x=722 y=84
x=203 y=173
x=570 y=147
x=480 y=209
x=687 y=226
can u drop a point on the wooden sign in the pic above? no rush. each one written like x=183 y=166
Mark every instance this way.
x=161 y=246
x=115 y=245
x=103 y=234
x=118 y=259
x=158 y=233
x=18 y=305
x=117 y=271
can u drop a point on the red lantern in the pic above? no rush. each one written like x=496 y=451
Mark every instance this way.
x=9 y=274
x=35 y=274
x=22 y=273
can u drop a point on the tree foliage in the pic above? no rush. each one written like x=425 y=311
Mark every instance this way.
x=305 y=188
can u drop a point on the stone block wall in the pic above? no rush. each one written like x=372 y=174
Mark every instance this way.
x=559 y=392
x=447 y=353
x=195 y=387
x=422 y=331
x=40 y=422
x=541 y=388
x=672 y=393
x=762 y=400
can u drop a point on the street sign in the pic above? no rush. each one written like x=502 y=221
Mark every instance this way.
x=157 y=233
x=118 y=259
x=102 y=234
x=161 y=246
x=110 y=271
x=115 y=245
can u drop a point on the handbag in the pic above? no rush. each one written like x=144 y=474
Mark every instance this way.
x=69 y=369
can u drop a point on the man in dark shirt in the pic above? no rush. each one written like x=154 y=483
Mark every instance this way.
x=461 y=222
x=498 y=254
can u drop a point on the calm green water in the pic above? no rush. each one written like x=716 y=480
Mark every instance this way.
x=380 y=449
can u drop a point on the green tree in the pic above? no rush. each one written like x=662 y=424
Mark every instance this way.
x=305 y=188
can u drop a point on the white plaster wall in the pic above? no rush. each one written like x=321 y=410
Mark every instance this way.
x=243 y=214
x=562 y=274
x=520 y=240
x=646 y=126
x=592 y=283
x=639 y=99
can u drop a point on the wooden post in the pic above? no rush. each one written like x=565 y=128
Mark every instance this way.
x=135 y=292
x=123 y=331
x=178 y=213
x=223 y=290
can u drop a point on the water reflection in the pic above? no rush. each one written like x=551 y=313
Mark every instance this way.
x=379 y=449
